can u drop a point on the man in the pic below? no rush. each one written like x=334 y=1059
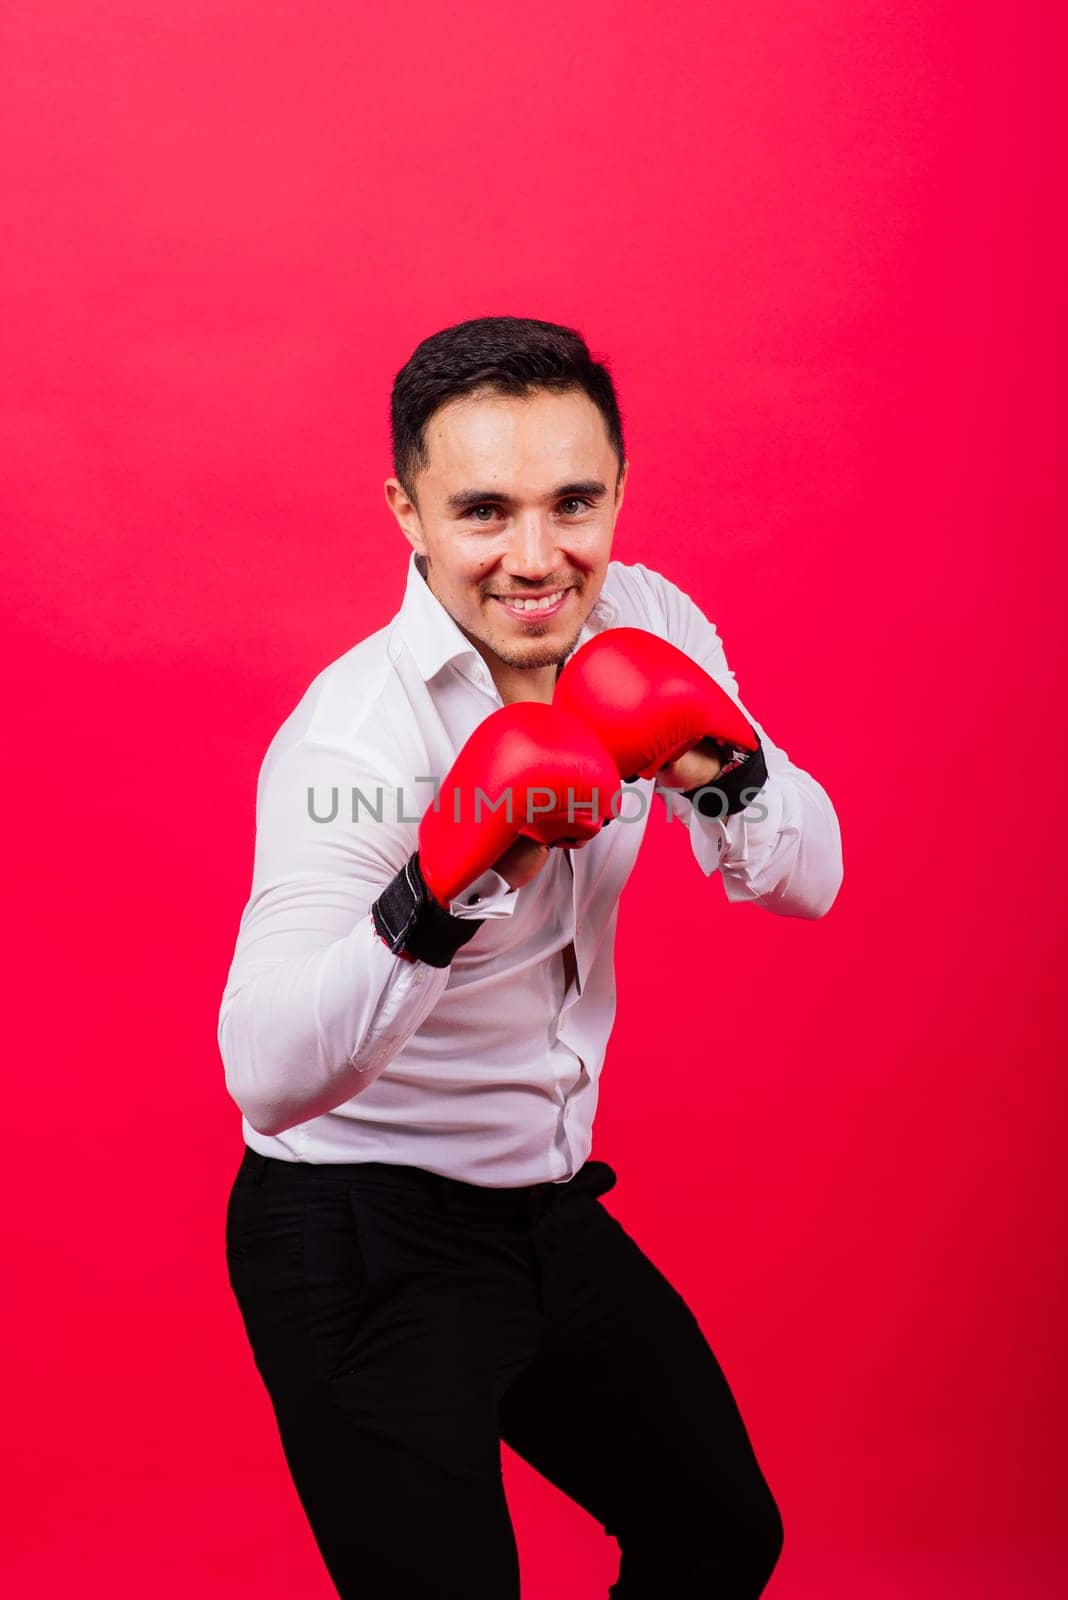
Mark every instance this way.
x=415 y=1236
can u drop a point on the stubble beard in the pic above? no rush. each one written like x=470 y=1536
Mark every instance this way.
x=530 y=661
x=533 y=660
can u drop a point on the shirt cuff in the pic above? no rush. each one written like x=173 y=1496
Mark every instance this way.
x=734 y=841
x=488 y=896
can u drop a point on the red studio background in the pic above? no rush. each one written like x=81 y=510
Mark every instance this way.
x=816 y=243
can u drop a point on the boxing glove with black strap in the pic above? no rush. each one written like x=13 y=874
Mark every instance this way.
x=649 y=703
x=528 y=770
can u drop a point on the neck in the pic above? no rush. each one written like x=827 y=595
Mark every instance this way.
x=522 y=683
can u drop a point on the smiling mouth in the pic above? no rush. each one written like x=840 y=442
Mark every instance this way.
x=532 y=608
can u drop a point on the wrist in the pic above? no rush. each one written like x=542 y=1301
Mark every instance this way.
x=411 y=922
x=740 y=779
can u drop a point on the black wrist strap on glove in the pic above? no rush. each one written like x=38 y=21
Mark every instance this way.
x=409 y=919
x=743 y=774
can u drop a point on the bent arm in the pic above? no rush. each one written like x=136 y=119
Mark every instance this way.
x=784 y=850
x=316 y=1005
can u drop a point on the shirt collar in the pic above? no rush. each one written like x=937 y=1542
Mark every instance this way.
x=427 y=629
x=434 y=638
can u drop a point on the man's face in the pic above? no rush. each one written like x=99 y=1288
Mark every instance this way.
x=518 y=503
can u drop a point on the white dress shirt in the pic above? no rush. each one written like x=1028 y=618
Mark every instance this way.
x=484 y=1070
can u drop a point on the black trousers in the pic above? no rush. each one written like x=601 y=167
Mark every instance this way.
x=404 y=1323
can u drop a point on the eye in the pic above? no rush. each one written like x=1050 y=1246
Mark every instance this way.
x=473 y=513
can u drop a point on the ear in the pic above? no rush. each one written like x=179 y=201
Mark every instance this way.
x=621 y=484
x=406 y=513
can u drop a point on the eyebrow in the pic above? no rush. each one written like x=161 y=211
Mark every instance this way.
x=464 y=499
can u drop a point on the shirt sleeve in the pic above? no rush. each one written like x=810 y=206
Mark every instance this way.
x=316 y=1005
x=784 y=851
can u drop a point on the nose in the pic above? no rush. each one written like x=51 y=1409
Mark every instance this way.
x=532 y=551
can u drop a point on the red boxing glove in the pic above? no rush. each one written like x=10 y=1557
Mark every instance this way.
x=647 y=701
x=529 y=769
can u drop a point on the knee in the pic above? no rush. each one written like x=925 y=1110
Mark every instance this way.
x=764 y=1543
x=726 y=1551
x=738 y=1561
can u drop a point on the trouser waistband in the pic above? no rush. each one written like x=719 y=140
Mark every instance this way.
x=524 y=1200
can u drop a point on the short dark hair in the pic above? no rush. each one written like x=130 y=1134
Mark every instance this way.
x=505 y=355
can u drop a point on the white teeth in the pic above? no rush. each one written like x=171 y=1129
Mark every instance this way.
x=543 y=604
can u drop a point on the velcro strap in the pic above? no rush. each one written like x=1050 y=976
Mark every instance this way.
x=411 y=922
x=742 y=776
